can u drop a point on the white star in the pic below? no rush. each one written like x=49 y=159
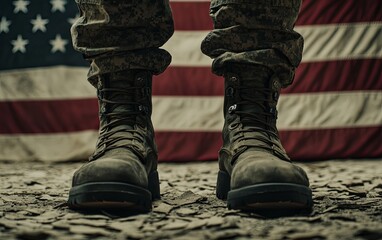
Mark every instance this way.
x=4 y=25
x=19 y=44
x=58 y=5
x=39 y=24
x=58 y=44
x=20 y=5
x=73 y=20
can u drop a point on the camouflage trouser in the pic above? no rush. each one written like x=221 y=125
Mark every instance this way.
x=116 y=35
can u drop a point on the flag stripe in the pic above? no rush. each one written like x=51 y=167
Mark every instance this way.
x=48 y=147
x=302 y=145
x=315 y=12
x=345 y=75
x=319 y=144
x=329 y=76
x=312 y=12
x=296 y=111
x=47 y=83
x=55 y=116
x=345 y=41
x=197 y=17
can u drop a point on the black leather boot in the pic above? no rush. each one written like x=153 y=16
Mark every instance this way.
x=255 y=171
x=122 y=172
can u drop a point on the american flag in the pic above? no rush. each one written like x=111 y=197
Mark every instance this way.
x=48 y=111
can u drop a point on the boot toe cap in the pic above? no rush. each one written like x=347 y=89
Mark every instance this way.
x=111 y=170
x=267 y=169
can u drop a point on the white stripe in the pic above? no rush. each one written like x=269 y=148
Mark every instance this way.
x=50 y=83
x=47 y=147
x=184 y=47
x=296 y=111
x=322 y=43
x=330 y=110
x=187 y=113
x=341 y=42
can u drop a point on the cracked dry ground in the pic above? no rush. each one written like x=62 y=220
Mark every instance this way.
x=347 y=197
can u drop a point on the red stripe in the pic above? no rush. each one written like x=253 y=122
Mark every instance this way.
x=303 y=145
x=348 y=75
x=53 y=116
x=362 y=142
x=195 y=15
x=339 y=11
x=188 y=81
x=189 y=16
x=188 y=146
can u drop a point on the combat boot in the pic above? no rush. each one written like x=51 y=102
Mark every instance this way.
x=254 y=170
x=122 y=172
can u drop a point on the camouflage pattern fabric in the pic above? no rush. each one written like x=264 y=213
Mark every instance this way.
x=257 y=32
x=118 y=35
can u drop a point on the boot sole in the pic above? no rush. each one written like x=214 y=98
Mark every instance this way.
x=264 y=196
x=115 y=195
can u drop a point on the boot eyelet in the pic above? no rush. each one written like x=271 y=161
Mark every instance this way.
x=146 y=91
x=140 y=79
x=230 y=91
x=273 y=111
x=276 y=96
x=143 y=109
x=233 y=79
x=276 y=84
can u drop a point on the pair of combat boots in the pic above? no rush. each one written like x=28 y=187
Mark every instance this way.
x=254 y=170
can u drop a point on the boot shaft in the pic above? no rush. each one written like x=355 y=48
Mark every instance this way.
x=251 y=95
x=125 y=94
x=125 y=108
x=254 y=92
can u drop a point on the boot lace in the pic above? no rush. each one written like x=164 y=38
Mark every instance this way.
x=120 y=116
x=262 y=120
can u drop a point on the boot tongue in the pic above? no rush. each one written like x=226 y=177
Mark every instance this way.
x=123 y=93
x=125 y=106
x=254 y=82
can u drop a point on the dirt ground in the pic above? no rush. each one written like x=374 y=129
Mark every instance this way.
x=347 y=198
